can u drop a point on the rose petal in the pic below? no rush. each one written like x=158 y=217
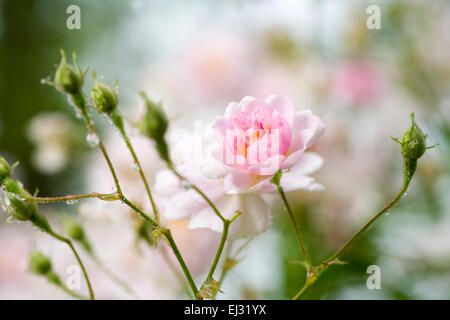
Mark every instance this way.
x=283 y=105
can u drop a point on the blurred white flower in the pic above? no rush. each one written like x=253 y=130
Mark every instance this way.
x=51 y=133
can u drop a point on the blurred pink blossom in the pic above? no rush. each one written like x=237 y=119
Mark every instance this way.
x=356 y=82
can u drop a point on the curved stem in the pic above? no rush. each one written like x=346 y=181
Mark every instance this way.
x=69 y=243
x=313 y=274
x=366 y=225
x=295 y=225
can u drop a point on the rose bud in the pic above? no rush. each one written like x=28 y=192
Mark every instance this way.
x=68 y=78
x=39 y=263
x=104 y=97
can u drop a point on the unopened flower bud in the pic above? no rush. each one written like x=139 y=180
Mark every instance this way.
x=13 y=186
x=154 y=122
x=19 y=209
x=73 y=229
x=413 y=144
x=5 y=170
x=39 y=263
x=68 y=78
x=104 y=97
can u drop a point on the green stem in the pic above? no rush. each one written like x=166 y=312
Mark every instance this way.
x=176 y=272
x=136 y=160
x=80 y=103
x=72 y=293
x=366 y=225
x=226 y=226
x=69 y=243
x=168 y=235
x=295 y=225
x=314 y=274
x=101 y=196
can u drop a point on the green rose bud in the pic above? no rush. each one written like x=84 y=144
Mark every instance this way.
x=13 y=186
x=154 y=123
x=104 y=97
x=39 y=263
x=5 y=170
x=19 y=209
x=73 y=229
x=69 y=78
x=413 y=144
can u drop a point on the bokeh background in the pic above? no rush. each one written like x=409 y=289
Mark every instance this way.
x=196 y=57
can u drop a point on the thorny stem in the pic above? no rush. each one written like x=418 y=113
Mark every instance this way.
x=80 y=102
x=69 y=243
x=295 y=225
x=315 y=272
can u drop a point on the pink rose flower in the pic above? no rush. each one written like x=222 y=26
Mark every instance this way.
x=178 y=202
x=256 y=138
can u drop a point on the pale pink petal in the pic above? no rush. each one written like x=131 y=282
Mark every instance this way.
x=238 y=182
x=269 y=167
x=284 y=106
x=309 y=126
x=232 y=108
x=206 y=219
x=166 y=183
x=292 y=159
x=309 y=163
x=255 y=217
x=182 y=206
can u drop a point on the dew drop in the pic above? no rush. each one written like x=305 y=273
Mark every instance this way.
x=71 y=101
x=135 y=166
x=78 y=113
x=187 y=185
x=92 y=139
x=71 y=201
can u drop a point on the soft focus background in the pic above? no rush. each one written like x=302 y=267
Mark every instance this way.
x=197 y=56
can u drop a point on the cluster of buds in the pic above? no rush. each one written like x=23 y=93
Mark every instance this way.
x=17 y=200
